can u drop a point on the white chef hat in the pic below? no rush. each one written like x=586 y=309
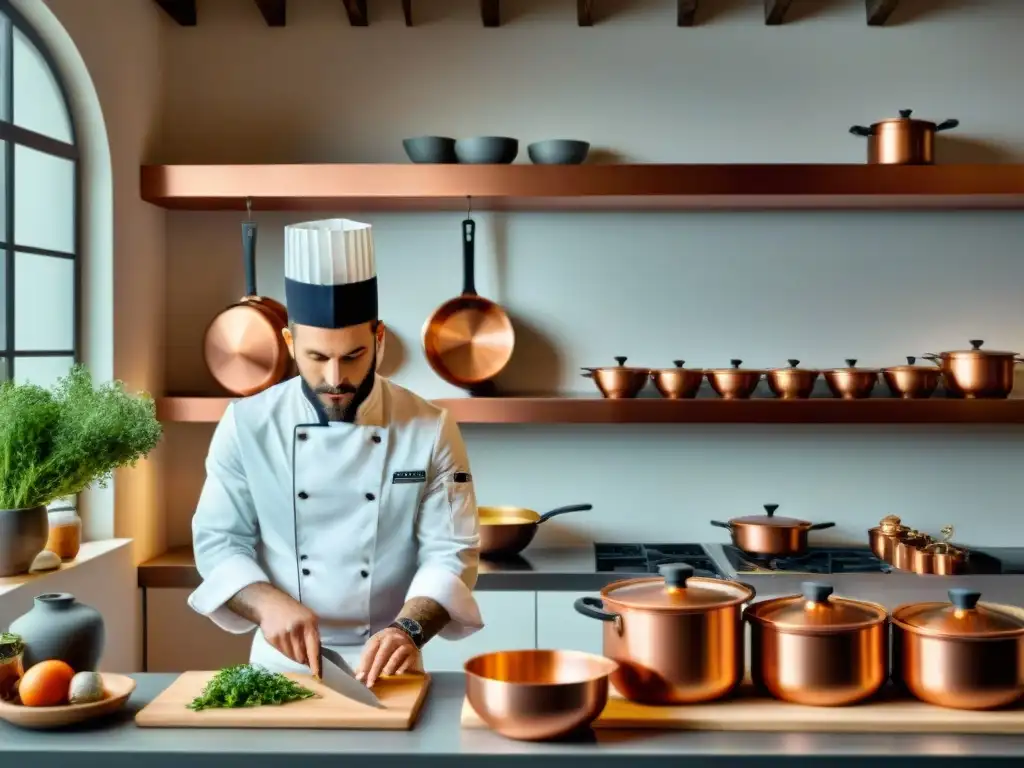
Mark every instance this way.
x=330 y=274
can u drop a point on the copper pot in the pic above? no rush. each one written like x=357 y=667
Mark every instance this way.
x=938 y=557
x=818 y=650
x=770 y=535
x=677 y=638
x=678 y=383
x=960 y=654
x=734 y=383
x=619 y=382
x=976 y=372
x=902 y=140
x=851 y=383
x=792 y=383
x=507 y=531
x=912 y=381
x=537 y=694
x=885 y=536
x=903 y=554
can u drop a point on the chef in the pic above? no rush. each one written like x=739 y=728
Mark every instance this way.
x=338 y=507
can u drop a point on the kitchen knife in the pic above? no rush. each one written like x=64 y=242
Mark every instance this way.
x=337 y=675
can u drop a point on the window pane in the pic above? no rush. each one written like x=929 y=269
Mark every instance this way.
x=44 y=302
x=3 y=369
x=3 y=300
x=43 y=371
x=38 y=103
x=3 y=191
x=5 y=75
x=44 y=200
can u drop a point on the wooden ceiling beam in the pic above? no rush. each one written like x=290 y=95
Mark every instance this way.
x=356 y=10
x=182 y=11
x=879 y=11
x=273 y=11
x=490 y=13
x=585 y=13
x=686 y=13
x=775 y=11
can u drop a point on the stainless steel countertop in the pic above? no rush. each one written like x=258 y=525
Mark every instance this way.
x=438 y=740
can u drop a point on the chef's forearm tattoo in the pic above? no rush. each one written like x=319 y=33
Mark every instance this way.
x=429 y=614
x=247 y=599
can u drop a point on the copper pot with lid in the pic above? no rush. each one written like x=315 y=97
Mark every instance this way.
x=768 y=535
x=618 y=382
x=912 y=381
x=976 y=372
x=902 y=140
x=884 y=537
x=734 y=383
x=817 y=649
x=678 y=383
x=851 y=383
x=677 y=638
x=792 y=383
x=960 y=654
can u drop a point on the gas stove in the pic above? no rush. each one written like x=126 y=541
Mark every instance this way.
x=816 y=560
x=645 y=558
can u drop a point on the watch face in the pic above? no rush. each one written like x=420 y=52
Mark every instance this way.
x=412 y=628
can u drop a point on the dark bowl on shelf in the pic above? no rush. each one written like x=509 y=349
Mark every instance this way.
x=558 y=152
x=487 y=150
x=430 y=149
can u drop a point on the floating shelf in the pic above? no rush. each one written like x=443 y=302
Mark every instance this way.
x=524 y=187
x=595 y=410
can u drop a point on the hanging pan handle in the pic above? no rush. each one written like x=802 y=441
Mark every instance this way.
x=249 y=256
x=469 y=258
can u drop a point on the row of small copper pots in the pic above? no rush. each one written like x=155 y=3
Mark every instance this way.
x=678 y=639
x=770 y=536
x=908 y=550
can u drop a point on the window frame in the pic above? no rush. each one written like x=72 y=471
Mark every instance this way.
x=13 y=135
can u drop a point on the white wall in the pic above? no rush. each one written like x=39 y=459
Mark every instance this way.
x=705 y=287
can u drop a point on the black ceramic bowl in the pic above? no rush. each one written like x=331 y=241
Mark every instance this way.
x=558 y=152
x=430 y=149
x=488 y=150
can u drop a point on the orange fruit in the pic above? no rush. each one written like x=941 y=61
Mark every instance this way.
x=46 y=684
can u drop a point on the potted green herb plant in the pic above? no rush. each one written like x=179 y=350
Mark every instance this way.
x=58 y=442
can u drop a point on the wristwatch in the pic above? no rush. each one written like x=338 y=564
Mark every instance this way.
x=412 y=628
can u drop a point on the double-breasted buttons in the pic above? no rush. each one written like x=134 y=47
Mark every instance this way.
x=305 y=571
x=364 y=573
x=302 y=435
x=303 y=557
x=376 y=439
x=303 y=495
x=370 y=497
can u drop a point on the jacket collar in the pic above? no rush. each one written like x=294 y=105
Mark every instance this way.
x=369 y=414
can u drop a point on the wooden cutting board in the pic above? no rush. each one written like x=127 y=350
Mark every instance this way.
x=750 y=712
x=402 y=697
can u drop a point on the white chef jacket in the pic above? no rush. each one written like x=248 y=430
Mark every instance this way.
x=350 y=519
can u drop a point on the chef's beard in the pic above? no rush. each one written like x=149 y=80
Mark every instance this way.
x=346 y=412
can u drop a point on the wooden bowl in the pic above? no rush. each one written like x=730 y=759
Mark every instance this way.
x=118 y=687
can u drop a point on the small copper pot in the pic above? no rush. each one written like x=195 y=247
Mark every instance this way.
x=976 y=372
x=770 y=535
x=902 y=140
x=885 y=536
x=903 y=554
x=792 y=383
x=851 y=383
x=734 y=383
x=537 y=694
x=910 y=381
x=818 y=650
x=678 y=383
x=960 y=654
x=677 y=638
x=619 y=382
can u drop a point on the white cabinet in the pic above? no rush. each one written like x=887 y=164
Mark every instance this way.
x=179 y=639
x=509 y=624
x=559 y=627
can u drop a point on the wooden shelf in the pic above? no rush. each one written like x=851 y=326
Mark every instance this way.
x=523 y=187
x=595 y=410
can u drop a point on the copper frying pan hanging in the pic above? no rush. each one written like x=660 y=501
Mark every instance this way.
x=468 y=340
x=245 y=351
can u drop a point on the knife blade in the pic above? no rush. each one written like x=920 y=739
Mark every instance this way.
x=337 y=675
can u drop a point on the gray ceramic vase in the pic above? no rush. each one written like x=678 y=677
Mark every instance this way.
x=23 y=534
x=60 y=627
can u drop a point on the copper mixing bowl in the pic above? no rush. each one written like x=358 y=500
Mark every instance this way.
x=535 y=695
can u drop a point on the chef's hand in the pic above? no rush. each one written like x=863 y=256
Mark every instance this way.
x=389 y=652
x=292 y=629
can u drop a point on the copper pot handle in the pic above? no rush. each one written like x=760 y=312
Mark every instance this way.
x=593 y=608
x=821 y=526
x=945 y=125
x=562 y=510
x=720 y=524
x=862 y=131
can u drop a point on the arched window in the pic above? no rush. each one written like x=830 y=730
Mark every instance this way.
x=39 y=203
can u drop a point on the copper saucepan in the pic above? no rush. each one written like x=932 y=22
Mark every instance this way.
x=618 y=382
x=976 y=372
x=818 y=650
x=244 y=349
x=734 y=383
x=851 y=383
x=678 y=383
x=902 y=140
x=677 y=638
x=468 y=340
x=962 y=654
x=506 y=531
x=792 y=383
x=911 y=381
x=538 y=694
x=769 y=535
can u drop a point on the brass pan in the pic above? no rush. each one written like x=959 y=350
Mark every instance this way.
x=506 y=531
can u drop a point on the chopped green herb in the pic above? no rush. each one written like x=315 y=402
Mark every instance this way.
x=248 y=685
x=10 y=645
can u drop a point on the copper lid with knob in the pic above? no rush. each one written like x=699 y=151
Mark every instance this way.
x=770 y=519
x=816 y=611
x=961 y=618
x=677 y=590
